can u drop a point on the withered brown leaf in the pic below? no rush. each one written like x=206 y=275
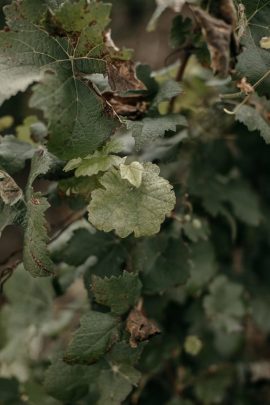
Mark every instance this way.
x=218 y=36
x=122 y=76
x=140 y=327
x=10 y=192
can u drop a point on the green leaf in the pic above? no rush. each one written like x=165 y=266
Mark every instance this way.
x=35 y=254
x=133 y=173
x=69 y=383
x=167 y=90
x=129 y=209
x=72 y=108
x=212 y=389
x=253 y=120
x=10 y=215
x=10 y=392
x=203 y=266
x=150 y=129
x=96 y=335
x=99 y=161
x=224 y=305
x=180 y=30
x=77 y=245
x=254 y=61
x=118 y=293
x=115 y=384
x=163 y=263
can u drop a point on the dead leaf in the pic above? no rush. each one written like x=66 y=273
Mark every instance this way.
x=10 y=192
x=245 y=86
x=218 y=35
x=140 y=327
x=132 y=106
x=122 y=76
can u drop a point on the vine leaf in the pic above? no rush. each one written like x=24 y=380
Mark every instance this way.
x=78 y=120
x=224 y=305
x=151 y=128
x=96 y=335
x=252 y=118
x=115 y=384
x=254 y=61
x=118 y=293
x=162 y=262
x=128 y=209
x=133 y=173
x=36 y=258
x=69 y=383
x=99 y=161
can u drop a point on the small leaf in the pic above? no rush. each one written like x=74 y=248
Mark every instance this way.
x=133 y=173
x=129 y=209
x=118 y=293
x=14 y=153
x=95 y=336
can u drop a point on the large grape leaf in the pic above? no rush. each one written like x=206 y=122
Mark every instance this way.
x=254 y=61
x=96 y=335
x=35 y=254
x=77 y=118
x=127 y=208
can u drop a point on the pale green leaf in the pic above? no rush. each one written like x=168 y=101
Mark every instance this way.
x=118 y=293
x=100 y=161
x=128 y=209
x=133 y=173
x=95 y=336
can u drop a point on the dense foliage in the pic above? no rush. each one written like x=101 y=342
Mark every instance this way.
x=155 y=288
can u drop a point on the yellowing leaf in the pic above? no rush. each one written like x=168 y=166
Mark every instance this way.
x=133 y=173
x=128 y=209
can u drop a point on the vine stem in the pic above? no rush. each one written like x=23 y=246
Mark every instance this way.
x=179 y=76
x=244 y=101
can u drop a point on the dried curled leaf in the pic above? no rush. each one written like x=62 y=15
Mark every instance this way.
x=217 y=34
x=10 y=192
x=140 y=327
